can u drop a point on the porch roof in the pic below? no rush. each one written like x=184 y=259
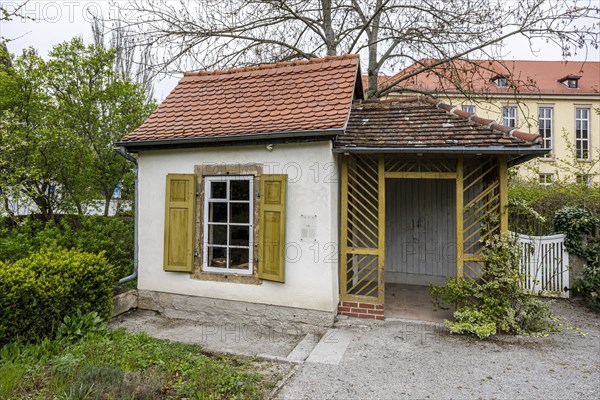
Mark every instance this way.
x=423 y=124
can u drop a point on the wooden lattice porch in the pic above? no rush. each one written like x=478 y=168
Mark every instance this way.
x=481 y=200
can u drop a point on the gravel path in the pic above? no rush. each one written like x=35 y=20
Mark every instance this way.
x=397 y=360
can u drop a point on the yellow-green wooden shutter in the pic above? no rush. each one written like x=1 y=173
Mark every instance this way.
x=271 y=244
x=179 y=222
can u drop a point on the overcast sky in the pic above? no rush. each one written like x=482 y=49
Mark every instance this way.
x=57 y=21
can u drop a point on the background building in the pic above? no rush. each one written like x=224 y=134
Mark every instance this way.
x=559 y=100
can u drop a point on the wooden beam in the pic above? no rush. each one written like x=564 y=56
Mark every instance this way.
x=472 y=257
x=381 y=226
x=420 y=175
x=356 y=250
x=503 y=176
x=360 y=299
x=342 y=264
x=459 y=218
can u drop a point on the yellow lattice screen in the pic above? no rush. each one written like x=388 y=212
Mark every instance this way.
x=484 y=209
x=361 y=272
x=481 y=200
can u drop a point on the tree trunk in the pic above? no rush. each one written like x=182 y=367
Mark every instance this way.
x=328 y=28
x=373 y=68
x=107 y=199
x=9 y=212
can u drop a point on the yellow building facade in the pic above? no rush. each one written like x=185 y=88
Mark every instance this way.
x=560 y=101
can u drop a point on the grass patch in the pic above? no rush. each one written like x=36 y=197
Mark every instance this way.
x=122 y=365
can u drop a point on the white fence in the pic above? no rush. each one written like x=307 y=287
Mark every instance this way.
x=544 y=265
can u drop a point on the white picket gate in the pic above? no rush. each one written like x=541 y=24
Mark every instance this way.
x=544 y=265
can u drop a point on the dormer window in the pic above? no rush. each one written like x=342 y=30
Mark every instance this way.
x=500 y=81
x=570 y=81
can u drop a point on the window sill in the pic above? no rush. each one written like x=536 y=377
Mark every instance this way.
x=226 y=277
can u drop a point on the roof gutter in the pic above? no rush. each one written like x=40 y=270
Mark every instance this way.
x=233 y=138
x=446 y=150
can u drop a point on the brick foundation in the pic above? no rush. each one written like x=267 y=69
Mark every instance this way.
x=361 y=310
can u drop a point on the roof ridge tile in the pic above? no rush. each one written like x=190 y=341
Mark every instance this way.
x=280 y=64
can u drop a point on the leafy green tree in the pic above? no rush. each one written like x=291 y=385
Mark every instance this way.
x=59 y=121
x=30 y=146
x=98 y=106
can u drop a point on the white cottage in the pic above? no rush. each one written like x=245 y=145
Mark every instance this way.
x=262 y=194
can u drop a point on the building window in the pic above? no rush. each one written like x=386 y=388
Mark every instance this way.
x=545 y=124
x=546 y=179
x=584 y=179
x=228 y=219
x=570 y=81
x=501 y=81
x=582 y=133
x=509 y=116
x=468 y=108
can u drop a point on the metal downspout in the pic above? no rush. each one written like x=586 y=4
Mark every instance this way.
x=121 y=150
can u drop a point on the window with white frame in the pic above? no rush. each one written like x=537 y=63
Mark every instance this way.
x=228 y=219
x=582 y=133
x=584 y=179
x=546 y=179
x=468 y=108
x=545 y=127
x=509 y=116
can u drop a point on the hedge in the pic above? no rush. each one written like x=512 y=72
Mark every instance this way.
x=91 y=234
x=38 y=291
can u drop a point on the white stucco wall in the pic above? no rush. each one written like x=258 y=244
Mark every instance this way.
x=311 y=270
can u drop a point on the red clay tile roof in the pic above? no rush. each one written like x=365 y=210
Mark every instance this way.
x=309 y=95
x=422 y=122
x=536 y=77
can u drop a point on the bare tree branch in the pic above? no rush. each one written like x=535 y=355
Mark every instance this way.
x=208 y=34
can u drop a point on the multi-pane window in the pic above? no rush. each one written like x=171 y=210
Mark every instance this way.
x=545 y=124
x=584 y=179
x=468 y=108
x=228 y=218
x=509 y=116
x=546 y=179
x=582 y=133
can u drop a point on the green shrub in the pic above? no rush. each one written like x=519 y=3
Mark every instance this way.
x=40 y=290
x=579 y=225
x=91 y=234
x=588 y=284
x=497 y=302
x=547 y=200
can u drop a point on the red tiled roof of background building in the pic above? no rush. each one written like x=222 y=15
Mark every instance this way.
x=423 y=122
x=307 y=95
x=527 y=77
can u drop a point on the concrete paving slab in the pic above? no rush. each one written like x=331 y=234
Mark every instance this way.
x=238 y=338
x=304 y=348
x=331 y=347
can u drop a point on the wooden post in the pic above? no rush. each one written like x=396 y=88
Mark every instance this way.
x=503 y=177
x=459 y=218
x=381 y=228
x=343 y=261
